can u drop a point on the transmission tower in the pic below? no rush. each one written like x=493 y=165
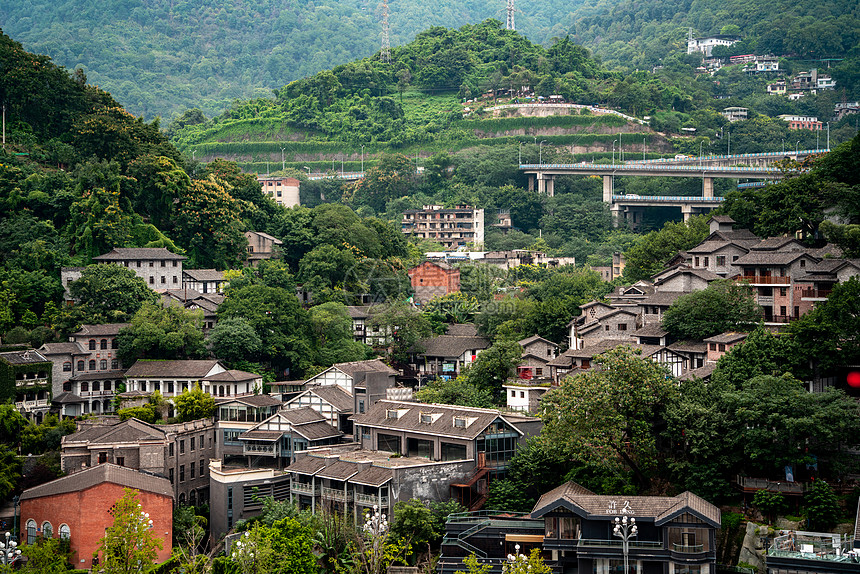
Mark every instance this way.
x=509 y=23
x=385 y=53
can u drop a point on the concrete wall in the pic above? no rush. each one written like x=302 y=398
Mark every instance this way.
x=431 y=482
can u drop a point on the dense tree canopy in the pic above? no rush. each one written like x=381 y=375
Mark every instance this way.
x=723 y=306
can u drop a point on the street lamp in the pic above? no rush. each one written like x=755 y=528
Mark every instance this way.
x=9 y=551
x=283 y=165
x=828 y=136
x=307 y=168
x=783 y=146
x=521 y=153
x=643 y=149
x=362 y=159
x=613 y=150
x=797 y=143
x=540 y=152
x=625 y=531
x=700 y=153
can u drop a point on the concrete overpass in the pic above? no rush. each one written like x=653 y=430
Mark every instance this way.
x=345 y=175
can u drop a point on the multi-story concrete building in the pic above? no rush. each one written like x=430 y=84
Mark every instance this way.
x=171 y=378
x=453 y=228
x=260 y=246
x=802 y=122
x=25 y=379
x=431 y=279
x=707 y=44
x=178 y=452
x=160 y=268
x=283 y=190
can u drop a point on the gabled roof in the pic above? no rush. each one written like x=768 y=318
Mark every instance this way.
x=98 y=376
x=443 y=416
x=204 y=274
x=128 y=431
x=309 y=465
x=358 y=311
x=662 y=298
x=535 y=339
x=192 y=369
x=351 y=369
x=773 y=258
x=372 y=476
x=304 y=422
x=779 y=244
x=708 y=247
x=334 y=395
x=661 y=509
x=462 y=330
x=339 y=470
x=147 y=253
x=700 y=273
x=703 y=372
x=100 y=474
x=651 y=330
x=727 y=338
x=25 y=357
x=67 y=399
x=271 y=238
x=251 y=401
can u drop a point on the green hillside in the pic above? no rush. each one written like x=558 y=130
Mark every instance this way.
x=162 y=57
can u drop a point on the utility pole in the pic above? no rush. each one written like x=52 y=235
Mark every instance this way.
x=4 y=126
x=385 y=53
x=283 y=164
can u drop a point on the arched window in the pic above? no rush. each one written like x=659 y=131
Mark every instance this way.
x=107 y=385
x=96 y=385
x=31 y=531
x=80 y=365
x=47 y=530
x=92 y=344
x=92 y=364
x=114 y=364
x=85 y=386
x=182 y=499
x=103 y=364
x=114 y=344
x=67 y=366
x=103 y=343
x=65 y=532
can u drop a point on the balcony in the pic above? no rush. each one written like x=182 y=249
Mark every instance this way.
x=815 y=294
x=687 y=549
x=765 y=299
x=764 y=280
x=780 y=319
x=370 y=500
x=305 y=488
x=596 y=543
x=35 y=382
x=259 y=449
x=334 y=494
x=32 y=405
x=85 y=394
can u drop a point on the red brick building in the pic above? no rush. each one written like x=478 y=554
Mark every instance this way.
x=77 y=507
x=433 y=280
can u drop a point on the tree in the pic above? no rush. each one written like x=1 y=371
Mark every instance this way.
x=761 y=353
x=608 y=415
x=194 y=404
x=535 y=468
x=387 y=180
x=207 y=225
x=332 y=326
x=494 y=366
x=403 y=326
x=12 y=422
x=723 y=306
x=129 y=542
x=651 y=251
x=234 y=339
x=829 y=335
x=46 y=556
x=284 y=548
x=110 y=293
x=10 y=471
x=460 y=391
x=822 y=507
x=162 y=332
x=769 y=503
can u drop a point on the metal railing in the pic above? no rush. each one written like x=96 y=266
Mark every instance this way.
x=598 y=543
x=764 y=279
x=334 y=494
x=370 y=500
x=305 y=488
x=258 y=449
x=815 y=293
x=688 y=549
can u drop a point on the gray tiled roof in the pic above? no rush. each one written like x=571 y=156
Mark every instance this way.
x=662 y=298
x=102 y=330
x=452 y=346
x=251 y=401
x=316 y=431
x=704 y=372
x=462 y=330
x=309 y=465
x=184 y=369
x=727 y=338
x=339 y=470
x=233 y=376
x=98 y=376
x=63 y=349
x=133 y=253
x=534 y=339
x=689 y=347
x=711 y=246
x=772 y=258
x=333 y=395
x=372 y=476
x=67 y=399
x=301 y=416
x=443 y=425
x=131 y=430
x=354 y=367
x=271 y=238
x=358 y=311
x=652 y=330
x=659 y=508
x=101 y=474
x=25 y=357
x=204 y=274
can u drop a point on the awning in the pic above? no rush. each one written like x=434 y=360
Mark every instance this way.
x=538 y=538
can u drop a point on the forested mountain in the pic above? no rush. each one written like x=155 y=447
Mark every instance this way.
x=160 y=57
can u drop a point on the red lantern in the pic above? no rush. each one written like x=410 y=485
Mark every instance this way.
x=853 y=379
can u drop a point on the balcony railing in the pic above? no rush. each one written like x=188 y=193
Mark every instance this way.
x=597 y=543
x=687 y=549
x=765 y=280
x=370 y=500
x=31 y=405
x=41 y=382
x=782 y=319
x=107 y=393
x=334 y=494
x=305 y=488
x=259 y=449
x=815 y=293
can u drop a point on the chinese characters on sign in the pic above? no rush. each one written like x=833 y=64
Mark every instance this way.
x=623 y=508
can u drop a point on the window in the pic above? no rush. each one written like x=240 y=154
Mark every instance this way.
x=802 y=263
x=182 y=447
x=138 y=263
x=388 y=443
x=67 y=387
x=513 y=394
x=107 y=385
x=783 y=310
x=164 y=263
x=170 y=475
x=120 y=460
x=585 y=363
x=193 y=469
x=102 y=457
x=426 y=419
x=96 y=385
x=783 y=291
x=31 y=531
x=175 y=280
x=712 y=346
x=522 y=394
x=721 y=260
x=174 y=263
x=85 y=386
x=65 y=533
x=696 y=264
x=392 y=414
x=103 y=364
x=202 y=468
x=568 y=527
x=152 y=263
x=459 y=422
x=152 y=280
x=361 y=405
x=622 y=326
x=606 y=327
x=192 y=443
x=163 y=279
x=114 y=364
x=550 y=527
x=114 y=344
x=80 y=365
x=707 y=260
x=103 y=344
x=170 y=450
x=47 y=530
x=181 y=473
x=722 y=348
x=67 y=366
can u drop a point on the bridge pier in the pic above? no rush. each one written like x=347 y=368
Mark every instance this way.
x=545 y=184
x=686 y=211
x=607 y=189
x=531 y=182
x=550 y=185
x=617 y=214
x=707 y=187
